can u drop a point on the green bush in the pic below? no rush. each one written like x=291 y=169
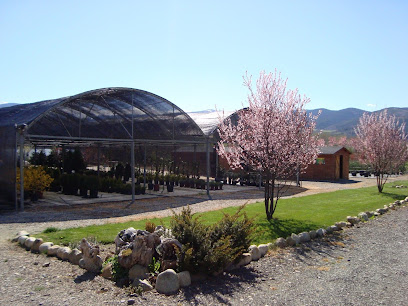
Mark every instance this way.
x=118 y=272
x=211 y=249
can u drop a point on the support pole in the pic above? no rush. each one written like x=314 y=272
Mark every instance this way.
x=208 y=165
x=132 y=161
x=144 y=167
x=21 y=170
x=99 y=157
x=15 y=172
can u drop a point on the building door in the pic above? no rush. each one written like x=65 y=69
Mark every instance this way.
x=337 y=169
x=341 y=167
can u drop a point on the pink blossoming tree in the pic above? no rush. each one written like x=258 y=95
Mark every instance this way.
x=274 y=135
x=382 y=144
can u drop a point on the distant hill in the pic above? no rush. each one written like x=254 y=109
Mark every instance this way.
x=343 y=121
x=7 y=104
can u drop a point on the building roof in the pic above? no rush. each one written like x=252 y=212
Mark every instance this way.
x=332 y=150
x=108 y=113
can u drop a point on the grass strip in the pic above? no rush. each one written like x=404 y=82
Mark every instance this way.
x=293 y=215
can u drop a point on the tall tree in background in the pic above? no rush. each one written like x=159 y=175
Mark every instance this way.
x=381 y=143
x=274 y=135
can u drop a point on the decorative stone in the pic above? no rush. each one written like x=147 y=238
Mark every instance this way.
x=335 y=228
x=320 y=232
x=19 y=234
x=296 y=238
x=312 y=234
x=21 y=240
x=280 y=242
x=52 y=250
x=75 y=256
x=353 y=220
x=304 y=237
x=107 y=271
x=29 y=242
x=376 y=214
x=138 y=272
x=167 y=282
x=369 y=214
x=245 y=259
x=139 y=251
x=63 y=253
x=124 y=237
x=143 y=283
x=363 y=216
x=184 y=278
x=290 y=241
x=44 y=247
x=90 y=260
x=35 y=248
x=263 y=249
x=341 y=224
x=159 y=230
x=255 y=253
x=329 y=230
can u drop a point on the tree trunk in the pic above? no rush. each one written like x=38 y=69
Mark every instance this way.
x=270 y=203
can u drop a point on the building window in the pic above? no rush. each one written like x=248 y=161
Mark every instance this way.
x=320 y=161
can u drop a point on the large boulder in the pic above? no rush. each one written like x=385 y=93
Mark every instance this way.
x=263 y=249
x=35 y=248
x=245 y=259
x=29 y=242
x=140 y=251
x=44 y=247
x=254 y=251
x=296 y=238
x=138 y=272
x=75 y=256
x=21 y=240
x=304 y=237
x=52 y=250
x=280 y=242
x=363 y=216
x=90 y=260
x=124 y=237
x=63 y=253
x=167 y=282
x=184 y=278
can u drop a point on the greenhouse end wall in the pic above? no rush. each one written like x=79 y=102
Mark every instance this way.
x=7 y=164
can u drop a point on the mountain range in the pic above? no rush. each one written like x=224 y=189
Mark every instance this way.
x=343 y=121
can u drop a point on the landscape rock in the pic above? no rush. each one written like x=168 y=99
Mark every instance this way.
x=140 y=250
x=21 y=240
x=127 y=236
x=184 y=278
x=90 y=261
x=363 y=216
x=245 y=259
x=35 y=248
x=107 y=271
x=138 y=272
x=29 y=242
x=19 y=234
x=320 y=232
x=52 y=250
x=44 y=247
x=369 y=214
x=290 y=241
x=335 y=228
x=296 y=238
x=341 y=224
x=312 y=234
x=381 y=211
x=304 y=237
x=167 y=282
x=353 y=220
x=159 y=230
x=263 y=249
x=376 y=214
x=329 y=230
x=255 y=253
x=75 y=256
x=63 y=253
x=280 y=242
x=143 y=283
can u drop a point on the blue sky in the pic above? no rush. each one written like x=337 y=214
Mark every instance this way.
x=194 y=53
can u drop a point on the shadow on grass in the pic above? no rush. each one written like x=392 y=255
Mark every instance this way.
x=276 y=228
x=394 y=196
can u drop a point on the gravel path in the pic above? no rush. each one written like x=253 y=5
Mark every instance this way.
x=360 y=266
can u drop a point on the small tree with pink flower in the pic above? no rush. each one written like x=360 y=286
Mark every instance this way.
x=382 y=144
x=274 y=135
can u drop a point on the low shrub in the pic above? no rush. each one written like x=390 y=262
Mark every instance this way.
x=118 y=272
x=211 y=249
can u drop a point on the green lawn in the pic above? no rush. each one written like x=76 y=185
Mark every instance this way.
x=292 y=215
